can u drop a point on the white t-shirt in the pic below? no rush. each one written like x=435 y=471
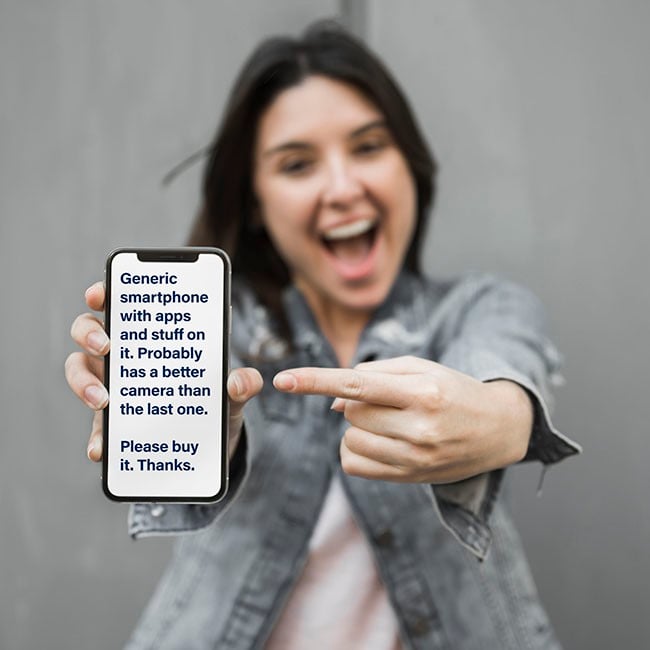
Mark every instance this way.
x=339 y=600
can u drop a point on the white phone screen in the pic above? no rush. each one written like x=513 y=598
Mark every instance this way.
x=166 y=370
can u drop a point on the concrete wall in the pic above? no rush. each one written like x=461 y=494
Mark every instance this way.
x=538 y=115
x=99 y=101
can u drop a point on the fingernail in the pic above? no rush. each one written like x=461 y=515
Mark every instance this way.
x=338 y=405
x=92 y=287
x=96 y=395
x=93 y=448
x=98 y=341
x=236 y=385
x=285 y=381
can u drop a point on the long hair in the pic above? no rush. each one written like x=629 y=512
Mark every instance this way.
x=226 y=216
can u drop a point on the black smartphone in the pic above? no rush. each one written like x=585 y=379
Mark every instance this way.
x=165 y=426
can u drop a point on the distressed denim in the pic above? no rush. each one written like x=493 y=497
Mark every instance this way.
x=448 y=555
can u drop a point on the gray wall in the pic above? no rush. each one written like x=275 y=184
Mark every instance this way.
x=99 y=100
x=538 y=115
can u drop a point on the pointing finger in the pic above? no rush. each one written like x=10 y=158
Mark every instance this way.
x=406 y=365
x=360 y=385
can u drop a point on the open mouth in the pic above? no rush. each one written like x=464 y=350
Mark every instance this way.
x=352 y=242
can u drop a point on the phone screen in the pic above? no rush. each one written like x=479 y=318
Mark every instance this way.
x=167 y=316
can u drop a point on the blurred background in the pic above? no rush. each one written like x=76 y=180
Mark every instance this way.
x=538 y=114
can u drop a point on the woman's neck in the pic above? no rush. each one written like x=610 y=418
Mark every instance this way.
x=341 y=326
x=343 y=336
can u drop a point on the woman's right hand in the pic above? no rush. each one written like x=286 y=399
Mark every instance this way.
x=84 y=372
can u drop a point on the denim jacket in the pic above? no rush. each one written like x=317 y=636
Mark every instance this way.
x=448 y=555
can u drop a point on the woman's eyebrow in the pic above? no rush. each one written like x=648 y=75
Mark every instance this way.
x=375 y=124
x=292 y=145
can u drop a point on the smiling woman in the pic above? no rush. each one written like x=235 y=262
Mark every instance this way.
x=382 y=408
x=378 y=118
x=336 y=197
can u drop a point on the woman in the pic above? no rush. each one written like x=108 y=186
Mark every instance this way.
x=381 y=407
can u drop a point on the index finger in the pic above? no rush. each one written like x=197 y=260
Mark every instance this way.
x=349 y=383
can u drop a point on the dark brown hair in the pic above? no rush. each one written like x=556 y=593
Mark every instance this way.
x=226 y=216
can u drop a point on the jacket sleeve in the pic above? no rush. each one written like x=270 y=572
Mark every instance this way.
x=157 y=519
x=498 y=333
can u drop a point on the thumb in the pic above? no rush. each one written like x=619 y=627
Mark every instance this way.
x=243 y=384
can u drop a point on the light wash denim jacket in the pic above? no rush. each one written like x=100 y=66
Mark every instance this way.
x=448 y=555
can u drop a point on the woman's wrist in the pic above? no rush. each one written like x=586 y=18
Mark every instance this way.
x=513 y=422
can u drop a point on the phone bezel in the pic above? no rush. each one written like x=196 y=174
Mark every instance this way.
x=174 y=255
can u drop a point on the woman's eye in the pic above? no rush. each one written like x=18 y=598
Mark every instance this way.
x=369 y=147
x=296 y=166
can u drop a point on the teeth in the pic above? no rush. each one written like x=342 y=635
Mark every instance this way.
x=353 y=229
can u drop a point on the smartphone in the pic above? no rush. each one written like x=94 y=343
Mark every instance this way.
x=165 y=426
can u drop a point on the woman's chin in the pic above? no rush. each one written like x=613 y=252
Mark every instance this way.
x=366 y=297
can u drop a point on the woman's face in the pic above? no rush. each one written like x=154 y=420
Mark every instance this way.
x=335 y=194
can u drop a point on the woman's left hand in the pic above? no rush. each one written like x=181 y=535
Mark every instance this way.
x=414 y=420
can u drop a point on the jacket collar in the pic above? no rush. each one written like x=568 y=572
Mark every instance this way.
x=397 y=324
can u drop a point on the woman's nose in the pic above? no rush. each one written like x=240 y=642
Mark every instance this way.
x=342 y=184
